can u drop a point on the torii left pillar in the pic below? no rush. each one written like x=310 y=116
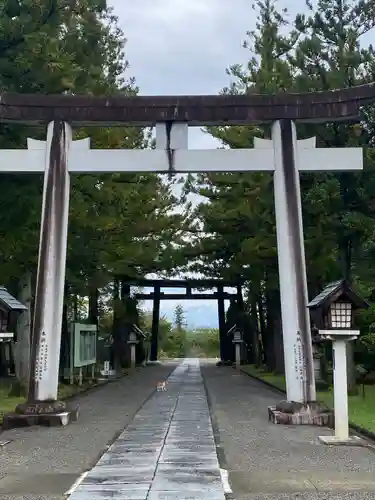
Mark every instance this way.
x=155 y=326
x=221 y=320
x=42 y=406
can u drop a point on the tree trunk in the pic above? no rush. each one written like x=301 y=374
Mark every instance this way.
x=346 y=257
x=273 y=313
x=278 y=346
x=75 y=309
x=65 y=343
x=21 y=347
x=263 y=330
x=255 y=333
x=116 y=328
x=350 y=366
x=94 y=306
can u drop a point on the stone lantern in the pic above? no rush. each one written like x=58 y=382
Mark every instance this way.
x=10 y=308
x=134 y=338
x=333 y=313
x=237 y=340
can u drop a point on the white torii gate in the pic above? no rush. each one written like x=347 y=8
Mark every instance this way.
x=283 y=155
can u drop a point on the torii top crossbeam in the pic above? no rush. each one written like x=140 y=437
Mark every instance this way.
x=332 y=105
x=183 y=283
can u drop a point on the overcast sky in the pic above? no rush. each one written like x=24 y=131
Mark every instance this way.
x=184 y=47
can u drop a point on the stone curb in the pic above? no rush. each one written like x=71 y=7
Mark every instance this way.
x=355 y=427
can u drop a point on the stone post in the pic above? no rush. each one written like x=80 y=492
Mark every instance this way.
x=340 y=339
x=132 y=356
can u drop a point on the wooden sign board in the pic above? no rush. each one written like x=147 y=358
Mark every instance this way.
x=84 y=344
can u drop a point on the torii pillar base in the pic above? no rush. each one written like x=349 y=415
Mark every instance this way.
x=43 y=413
x=293 y=413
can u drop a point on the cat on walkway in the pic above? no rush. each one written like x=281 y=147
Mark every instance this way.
x=162 y=386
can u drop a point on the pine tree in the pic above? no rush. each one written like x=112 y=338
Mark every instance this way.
x=179 y=318
x=330 y=55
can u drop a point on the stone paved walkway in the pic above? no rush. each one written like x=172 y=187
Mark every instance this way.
x=168 y=452
x=275 y=462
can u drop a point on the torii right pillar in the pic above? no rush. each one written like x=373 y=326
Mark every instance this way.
x=291 y=157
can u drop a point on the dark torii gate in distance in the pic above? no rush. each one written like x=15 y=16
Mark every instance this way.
x=189 y=285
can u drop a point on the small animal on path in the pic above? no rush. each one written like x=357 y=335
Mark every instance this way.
x=162 y=386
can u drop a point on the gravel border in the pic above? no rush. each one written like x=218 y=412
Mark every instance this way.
x=362 y=431
x=87 y=390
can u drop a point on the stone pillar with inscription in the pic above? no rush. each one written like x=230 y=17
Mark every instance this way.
x=299 y=371
x=301 y=406
x=42 y=406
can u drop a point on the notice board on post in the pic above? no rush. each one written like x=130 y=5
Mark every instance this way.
x=84 y=344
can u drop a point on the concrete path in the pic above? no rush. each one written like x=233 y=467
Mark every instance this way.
x=274 y=462
x=43 y=463
x=168 y=452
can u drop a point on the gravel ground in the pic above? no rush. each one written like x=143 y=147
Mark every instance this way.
x=269 y=462
x=43 y=463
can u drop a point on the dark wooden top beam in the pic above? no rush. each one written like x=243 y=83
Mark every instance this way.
x=181 y=283
x=185 y=296
x=334 y=105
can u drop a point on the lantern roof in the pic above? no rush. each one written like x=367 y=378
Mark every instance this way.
x=335 y=291
x=10 y=302
x=137 y=331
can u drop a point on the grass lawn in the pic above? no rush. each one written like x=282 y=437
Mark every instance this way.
x=8 y=404
x=361 y=409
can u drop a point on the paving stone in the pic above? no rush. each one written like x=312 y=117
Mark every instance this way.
x=115 y=495
x=193 y=446
x=167 y=470
x=143 y=441
x=175 y=439
x=190 y=485
x=136 y=447
x=191 y=459
x=188 y=475
x=185 y=495
x=110 y=475
x=128 y=461
x=185 y=436
x=109 y=489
